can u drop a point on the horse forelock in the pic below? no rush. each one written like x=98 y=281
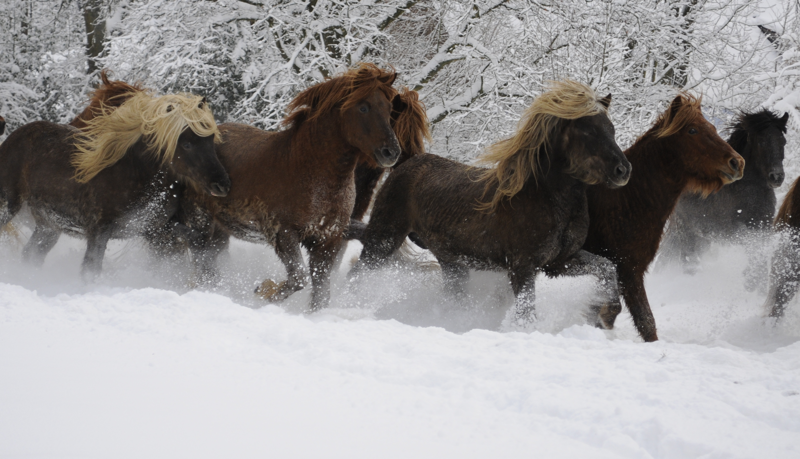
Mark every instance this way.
x=517 y=159
x=411 y=124
x=671 y=121
x=341 y=91
x=160 y=120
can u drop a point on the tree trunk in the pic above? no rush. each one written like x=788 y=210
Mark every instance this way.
x=95 y=32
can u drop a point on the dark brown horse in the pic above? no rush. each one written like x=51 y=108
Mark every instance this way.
x=785 y=273
x=742 y=209
x=112 y=179
x=680 y=153
x=296 y=187
x=536 y=211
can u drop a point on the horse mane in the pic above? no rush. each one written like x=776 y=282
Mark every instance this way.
x=752 y=122
x=110 y=94
x=675 y=118
x=411 y=125
x=517 y=159
x=342 y=91
x=161 y=120
x=784 y=217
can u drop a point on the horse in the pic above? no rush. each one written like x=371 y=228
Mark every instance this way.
x=681 y=152
x=784 y=279
x=536 y=213
x=113 y=178
x=739 y=209
x=296 y=187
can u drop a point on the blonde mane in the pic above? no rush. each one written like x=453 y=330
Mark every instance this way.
x=517 y=159
x=161 y=120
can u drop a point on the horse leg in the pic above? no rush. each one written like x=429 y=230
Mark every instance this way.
x=602 y=313
x=287 y=246
x=320 y=261
x=96 y=244
x=785 y=276
x=632 y=287
x=454 y=278
x=206 y=247
x=523 y=284
x=380 y=242
x=690 y=251
x=757 y=270
x=42 y=240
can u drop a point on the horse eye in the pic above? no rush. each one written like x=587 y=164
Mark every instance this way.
x=363 y=109
x=692 y=131
x=186 y=145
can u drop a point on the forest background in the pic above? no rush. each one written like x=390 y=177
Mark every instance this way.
x=476 y=64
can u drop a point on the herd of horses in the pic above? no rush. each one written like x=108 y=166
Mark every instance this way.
x=559 y=196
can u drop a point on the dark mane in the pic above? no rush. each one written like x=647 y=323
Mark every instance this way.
x=752 y=122
x=342 y=91
x=411 y=124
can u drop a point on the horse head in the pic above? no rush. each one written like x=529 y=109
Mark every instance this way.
x=707 y=159
x=196 y=161
x=593 y=154
x=367 y=126
x=763 y=136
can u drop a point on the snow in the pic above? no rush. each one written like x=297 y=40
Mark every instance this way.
x=139 y=365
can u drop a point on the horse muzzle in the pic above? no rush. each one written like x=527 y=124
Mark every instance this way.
x=219 y=189
x=733 y=171
x=387 y=156
x=620 y=175
x=775 y=179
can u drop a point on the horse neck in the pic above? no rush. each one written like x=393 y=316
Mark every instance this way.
x=657 y=181
x=738 y=141
x=553 y=180
x=320 y=147
x=143 y=165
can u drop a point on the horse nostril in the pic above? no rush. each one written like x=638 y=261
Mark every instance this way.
x=734 y=163
x=620 y=171
x=776 y=177
x=219 y=190
x=386 y=153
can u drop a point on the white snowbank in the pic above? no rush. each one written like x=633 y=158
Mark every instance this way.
x=110 y=370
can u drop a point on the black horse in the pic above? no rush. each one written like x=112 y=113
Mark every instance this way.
x=740 y=209
x=113 y=180
x=537 y=214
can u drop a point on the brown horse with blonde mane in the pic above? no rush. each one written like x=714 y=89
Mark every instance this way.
x=295 y=187
x=681 y=152
x=784 y=279
x=525 y=213
x=113 y=178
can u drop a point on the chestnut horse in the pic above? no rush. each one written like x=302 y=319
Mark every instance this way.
x=785 y=273
x=112 y=179
x=536 y=214
x=296 y=187
x=680 y=153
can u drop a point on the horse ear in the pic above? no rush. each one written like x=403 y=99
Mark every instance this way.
x=606 y=101
x=784 y=120
x=204 y=101
x=398 y=105
x=675 y=105
x=388 y=79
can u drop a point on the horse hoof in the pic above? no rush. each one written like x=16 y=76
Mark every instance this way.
x=269 y=290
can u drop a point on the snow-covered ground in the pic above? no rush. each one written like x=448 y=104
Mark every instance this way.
x=139 y=365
